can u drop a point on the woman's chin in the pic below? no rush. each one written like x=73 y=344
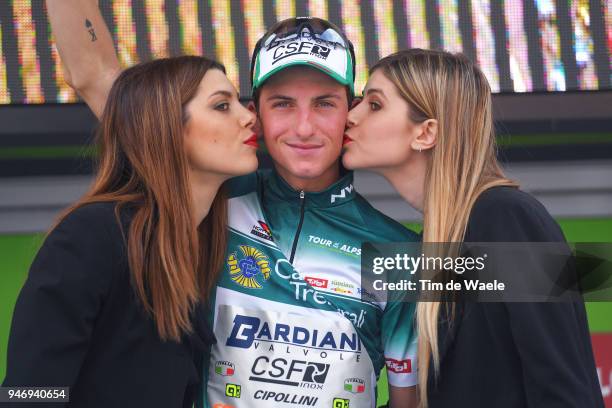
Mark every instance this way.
x=348 y=162
x=352 y=161
x=250 y=168
x=246 y=166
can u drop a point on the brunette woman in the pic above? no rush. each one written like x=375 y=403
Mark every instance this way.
x=112 y=304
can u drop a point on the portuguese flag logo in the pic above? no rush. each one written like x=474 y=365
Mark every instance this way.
x=354 y=385
x=224 y=368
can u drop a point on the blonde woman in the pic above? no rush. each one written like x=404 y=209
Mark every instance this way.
x=425 y=124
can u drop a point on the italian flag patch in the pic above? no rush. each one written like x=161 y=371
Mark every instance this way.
x=224 y=368
x=354 y=385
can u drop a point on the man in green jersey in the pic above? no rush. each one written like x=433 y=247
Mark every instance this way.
x=289 y=303
x=292 y=326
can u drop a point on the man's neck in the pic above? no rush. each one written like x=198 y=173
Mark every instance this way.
x=311 y=185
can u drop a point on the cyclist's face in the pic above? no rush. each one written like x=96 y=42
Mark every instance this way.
x=303 y=115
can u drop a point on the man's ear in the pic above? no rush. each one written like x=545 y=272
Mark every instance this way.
x=356 y=101
x=427 y=137
x=257 y=126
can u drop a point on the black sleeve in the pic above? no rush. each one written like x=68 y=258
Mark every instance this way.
x=552 y=339
x=509 y=215
x=57 y=308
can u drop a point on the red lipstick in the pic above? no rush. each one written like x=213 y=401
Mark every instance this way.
x=252 y=141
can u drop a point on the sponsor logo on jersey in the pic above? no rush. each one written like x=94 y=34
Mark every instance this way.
x=232 y=390
x=343 y=287
x=354 y=385
x=365 y=295
x=249 y=330
x=305 y=292
x=340 y=403
x=339 y=246
x=334 y=285
x=399 y=366
x=250 y=269
x=342 y=290
x=343 y=284
x=224 y=368
x=262 y=230
x=287 y=398
x=348 y=189
x=356 y=319
x=316 y=282
x=296 y=373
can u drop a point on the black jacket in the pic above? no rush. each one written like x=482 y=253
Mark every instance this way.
x=515 y=354
x=78 y=323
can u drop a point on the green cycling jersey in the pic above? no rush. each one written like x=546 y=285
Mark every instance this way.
x=291 y=325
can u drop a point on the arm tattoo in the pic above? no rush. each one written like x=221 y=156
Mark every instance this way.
x=90 y=30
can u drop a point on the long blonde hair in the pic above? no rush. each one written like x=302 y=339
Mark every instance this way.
x=449 y=88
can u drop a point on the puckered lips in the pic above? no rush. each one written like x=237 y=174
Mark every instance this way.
x=346 y=139
x=252 y=141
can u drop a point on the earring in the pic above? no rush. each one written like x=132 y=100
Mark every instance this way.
x=420 y=149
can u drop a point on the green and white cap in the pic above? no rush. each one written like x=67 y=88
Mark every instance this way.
x=304 y=41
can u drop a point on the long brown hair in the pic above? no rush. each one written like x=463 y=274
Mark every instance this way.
x=142 y=164
x=451 y=89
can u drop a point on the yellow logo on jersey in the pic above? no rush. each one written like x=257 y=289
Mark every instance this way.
x=249 y=270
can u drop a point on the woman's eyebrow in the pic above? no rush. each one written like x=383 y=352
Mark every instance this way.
x=222 y=92
x=375 y=90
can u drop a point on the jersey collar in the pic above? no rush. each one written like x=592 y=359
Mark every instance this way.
x=340 y=192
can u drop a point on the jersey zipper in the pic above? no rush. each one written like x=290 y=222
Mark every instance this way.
x=299 y=228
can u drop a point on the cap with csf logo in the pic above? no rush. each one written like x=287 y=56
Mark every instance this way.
x=308 y=41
